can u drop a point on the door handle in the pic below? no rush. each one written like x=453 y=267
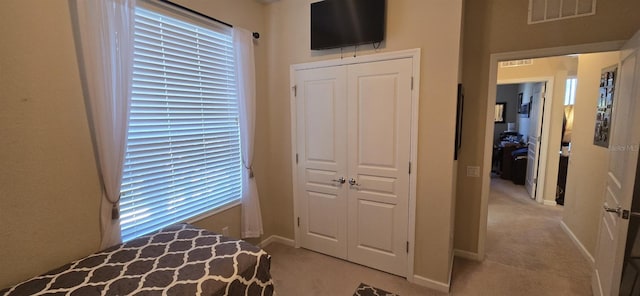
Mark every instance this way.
x=340 y=180
x=617 y=210
x=353 y=182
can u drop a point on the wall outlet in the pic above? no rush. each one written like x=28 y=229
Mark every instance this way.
x=225 y=231
x=473 y=171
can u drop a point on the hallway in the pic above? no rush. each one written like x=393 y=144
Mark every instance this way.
x=527 y=252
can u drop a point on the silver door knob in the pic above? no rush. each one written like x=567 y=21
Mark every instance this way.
x=353 y=182
x=340 y=180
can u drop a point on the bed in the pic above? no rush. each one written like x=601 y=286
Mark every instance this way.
x=177 y=260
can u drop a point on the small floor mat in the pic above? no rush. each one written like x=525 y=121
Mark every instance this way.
x=366 y=290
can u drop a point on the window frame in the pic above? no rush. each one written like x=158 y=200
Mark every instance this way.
x=171 y=11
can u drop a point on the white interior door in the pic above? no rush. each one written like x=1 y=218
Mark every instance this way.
x=379 y=128
x=353 y=139
x=533 y=138
x=623 y=156
x=322 y=155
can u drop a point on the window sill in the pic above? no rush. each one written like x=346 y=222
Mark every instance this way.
x=214 y=211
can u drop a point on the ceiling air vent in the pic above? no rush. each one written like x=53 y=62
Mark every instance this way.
x=552 y=10
x=516 y=63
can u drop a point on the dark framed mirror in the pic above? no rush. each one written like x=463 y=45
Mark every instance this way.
x=500 y=115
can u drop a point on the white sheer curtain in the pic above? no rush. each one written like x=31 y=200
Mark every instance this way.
x=246 y=81
x=106 y=41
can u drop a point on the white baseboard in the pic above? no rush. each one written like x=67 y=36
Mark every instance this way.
x=577 y=242
x=549 y=202
x=277 y=239
x=467 y=255
x=431 y=284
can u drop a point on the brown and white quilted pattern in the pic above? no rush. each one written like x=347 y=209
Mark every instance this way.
x=178 y=260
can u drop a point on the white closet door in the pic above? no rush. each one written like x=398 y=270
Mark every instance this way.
x=321 y=137
x=379 y=125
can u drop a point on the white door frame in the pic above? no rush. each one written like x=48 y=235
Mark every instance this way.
x=491 y=102
x=414 y=54
x=546 y=128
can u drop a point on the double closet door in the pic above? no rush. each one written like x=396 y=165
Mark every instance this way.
x=353 y=143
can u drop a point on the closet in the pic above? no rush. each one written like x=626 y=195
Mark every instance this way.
x=353 y=141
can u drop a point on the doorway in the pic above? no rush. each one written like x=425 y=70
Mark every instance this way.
x=517 y=140
x=548 y=168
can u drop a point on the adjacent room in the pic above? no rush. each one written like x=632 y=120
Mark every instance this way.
x=336 y=147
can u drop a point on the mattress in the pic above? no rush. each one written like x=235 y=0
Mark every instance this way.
x=177 y=260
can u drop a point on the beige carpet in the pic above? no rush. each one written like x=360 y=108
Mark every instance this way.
x=298 y=272
x=527 y=254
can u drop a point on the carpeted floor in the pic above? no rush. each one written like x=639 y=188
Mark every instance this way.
x=527 y=253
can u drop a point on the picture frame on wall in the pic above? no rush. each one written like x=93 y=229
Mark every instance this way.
x=459 y=111
x=519 y=101
x=500 y=113
x=524 y=109
x=602 y=129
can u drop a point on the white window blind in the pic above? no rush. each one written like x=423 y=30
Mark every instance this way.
x=570 y=91
x=183 y=150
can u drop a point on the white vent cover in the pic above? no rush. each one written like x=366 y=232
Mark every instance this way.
x=553 y=10
x=516 y=63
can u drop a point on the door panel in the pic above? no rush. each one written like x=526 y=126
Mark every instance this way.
x=321 y=117
x=534 y=137
x=354 y=122
x=378 y=154
x=375 y=235
x=623 y=155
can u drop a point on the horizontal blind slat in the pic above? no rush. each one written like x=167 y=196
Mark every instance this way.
x=183 y=145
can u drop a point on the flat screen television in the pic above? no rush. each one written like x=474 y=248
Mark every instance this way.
x=340 y=23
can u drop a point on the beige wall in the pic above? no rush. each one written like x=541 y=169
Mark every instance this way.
x=49 y=186
x=588 y=163
x=434 y=27
x=494 y=26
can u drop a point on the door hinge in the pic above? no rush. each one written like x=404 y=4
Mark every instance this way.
x=296 y=158
x=298 y=221
x=409 y=168
x=411 y=82
x=295 y=90
x=407 y=247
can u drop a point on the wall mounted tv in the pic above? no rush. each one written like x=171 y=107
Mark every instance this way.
x=340 y=23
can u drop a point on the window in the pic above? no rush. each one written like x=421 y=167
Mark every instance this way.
x=570 y=91
x=183 y=148
x=551 y=10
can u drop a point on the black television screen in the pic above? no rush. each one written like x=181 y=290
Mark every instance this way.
x=339 y=23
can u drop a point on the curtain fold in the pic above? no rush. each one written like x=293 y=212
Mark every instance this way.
x=245 y=79
x=106 y=29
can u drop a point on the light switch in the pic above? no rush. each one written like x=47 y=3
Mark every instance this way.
x=473 y=171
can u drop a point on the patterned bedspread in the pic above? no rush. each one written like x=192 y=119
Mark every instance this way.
x=177 y=260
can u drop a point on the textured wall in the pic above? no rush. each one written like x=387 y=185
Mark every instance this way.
x=49 y=187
